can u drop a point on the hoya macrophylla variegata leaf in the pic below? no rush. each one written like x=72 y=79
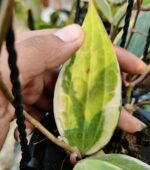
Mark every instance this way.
x=87 y=96
x=91 y=164
x=111 y=162
x=123 y=161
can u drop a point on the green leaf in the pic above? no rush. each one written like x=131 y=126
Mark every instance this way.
x=124 y=162
x=35 y=6
x=146 y=3
x=138 y=41
x=112 y=162
x=89 y=164
x=104 y=7
x=116 y=1
x=87 y=97
x=24 y=5
x=119 y=16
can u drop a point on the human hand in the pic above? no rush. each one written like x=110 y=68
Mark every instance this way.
x=39 y=54
x=129 y=63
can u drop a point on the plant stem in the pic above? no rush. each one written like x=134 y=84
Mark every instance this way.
x=134 y=83
x=5 y=17
x=50 y=136
x=143 y=103
x=114 y=29
x=37 y=124
x=143 y=9
x=129 y=93
x=141 y=78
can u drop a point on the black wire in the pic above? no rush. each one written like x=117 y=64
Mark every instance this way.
x=127 y=22
x=146 y=46
x=78 y=12
x=14 y=75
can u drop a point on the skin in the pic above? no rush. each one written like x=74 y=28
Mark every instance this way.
x=40 y=53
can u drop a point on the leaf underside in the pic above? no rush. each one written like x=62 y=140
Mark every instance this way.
x=88 y=91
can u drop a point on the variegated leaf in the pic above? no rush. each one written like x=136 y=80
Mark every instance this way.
x=124 y=162
x=112 y=162
x=91 y=164
x=87 y=97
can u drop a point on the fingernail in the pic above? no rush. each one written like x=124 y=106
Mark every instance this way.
x=69 y=33
x=143 y=126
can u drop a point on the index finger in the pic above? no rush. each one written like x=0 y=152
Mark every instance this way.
x=128 y=62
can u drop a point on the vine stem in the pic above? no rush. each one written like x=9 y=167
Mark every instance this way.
x=141 y=78
x=143 y=103
x=132 y=84
x=114 y=29
x=38 y=125
x=5 y=17
x=129 y=93
x=143 y=9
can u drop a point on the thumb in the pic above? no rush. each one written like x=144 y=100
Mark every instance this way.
x=40 y=53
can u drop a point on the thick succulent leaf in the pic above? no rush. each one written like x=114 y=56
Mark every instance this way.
x=104 y=7
x=116 y=1
x=118 y=19
x=146 y=3
x=89 y=164
x=138 y=41
x=124 y=162
x=34 y=5
x=87 y=96
x=112 y=162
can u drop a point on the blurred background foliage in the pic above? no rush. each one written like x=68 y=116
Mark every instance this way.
x=39 y=14
x=111 y=10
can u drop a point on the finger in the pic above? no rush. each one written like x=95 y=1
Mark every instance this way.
x=29 y=34
x=4 y=128
x=129 y=123
x=4 y=121
x=44 y=104
x=29 y=127
x=3 y=104
x=50 y=78
x=33 y=90
x=6 y=116
x=38 y=54
x=129 y=62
